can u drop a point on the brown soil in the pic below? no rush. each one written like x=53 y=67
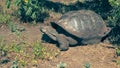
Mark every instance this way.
x=97 y=55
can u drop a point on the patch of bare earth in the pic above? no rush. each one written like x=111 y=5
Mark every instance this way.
x=97 y=55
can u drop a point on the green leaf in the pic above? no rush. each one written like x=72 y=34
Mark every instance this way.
x=8 y=3
x=17 y=2
x=33 y=15
x=29 y=11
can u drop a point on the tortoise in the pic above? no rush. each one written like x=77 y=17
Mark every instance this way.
x=77 y=28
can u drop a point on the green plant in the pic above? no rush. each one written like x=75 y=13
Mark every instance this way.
x=62 y=65
x=4 y=61
x=3 y=49
x=30 y=10
x=114 y=2
x=87 y=65
x=4 y=18
x=15 y=64
x=114 y=36
x=118 y=62
x=114 y=21
x=15 y=28
x=118 y=51
x=39 y=50
x=22 y=62
x=43 y=52
x=12 y=27
x=16 y=48
x=114 y=14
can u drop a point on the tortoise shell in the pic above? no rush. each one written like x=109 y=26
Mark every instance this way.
x=83 y=24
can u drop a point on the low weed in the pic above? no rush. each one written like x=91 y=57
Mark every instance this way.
x=62 y=65
x=118 y=62
x=118 y=55
x=15 y=47
x=14 y=28
x=39 y=50
x=25 y=52
x=23 y=63
x=87 y=65
x=118 y=51
x=43 y=52
x=4 y=18
x=4 y=61
x=28 y=53
x=14 y=65
x=3 y=49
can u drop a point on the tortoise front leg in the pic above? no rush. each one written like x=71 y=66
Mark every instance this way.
x=62 y=42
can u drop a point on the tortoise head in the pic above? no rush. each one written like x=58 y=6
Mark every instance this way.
x=48 y=30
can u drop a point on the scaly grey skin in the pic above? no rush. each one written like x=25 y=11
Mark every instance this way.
x=63 y=41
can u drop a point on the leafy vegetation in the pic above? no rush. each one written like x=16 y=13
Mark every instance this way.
x=15 y=28
x=30 y=10
x=62 y=65
x=3 y=50
x=87 y=65
x=4 y=18
x=114 y=2
x=21 y=52
x=114 y=13
x=118 y=51
x=14 y=65
x=114 y=22
x=39 y=51
x=118 y=55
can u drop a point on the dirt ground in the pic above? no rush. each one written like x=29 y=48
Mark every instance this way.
x=98 y=55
